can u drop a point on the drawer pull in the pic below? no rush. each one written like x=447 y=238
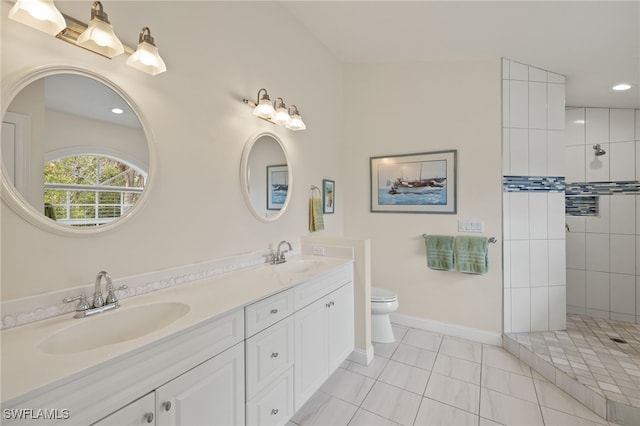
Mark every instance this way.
x=274 y=354
x=148 y=417
x=274 y=311
x=166 y=405
x=274 y=411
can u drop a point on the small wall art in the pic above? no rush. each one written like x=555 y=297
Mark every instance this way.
x=277 y=186
x=328 y=196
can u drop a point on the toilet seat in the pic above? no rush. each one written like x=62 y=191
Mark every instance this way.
x=382 y=295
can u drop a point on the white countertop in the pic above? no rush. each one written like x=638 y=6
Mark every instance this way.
x=26 y=368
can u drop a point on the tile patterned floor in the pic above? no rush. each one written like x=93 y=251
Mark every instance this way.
x=430 y=379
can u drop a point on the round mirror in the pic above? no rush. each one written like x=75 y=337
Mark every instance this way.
x=265 y=176
x=75 y=155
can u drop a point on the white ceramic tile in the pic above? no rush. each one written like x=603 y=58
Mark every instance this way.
x=487 y=422
x=575 y=126
x=557 y=262
x=623 y=294
x=621 y=125
x=436 y=413
x=637 y=124
x=454 y=392
x=538 y=152
x=505 y=68
x=555 y=153
x=372 y=370
x=597 y=252
x=520 y=310
x=555 y=417
x=537 y=105
x=597 y=291
x=600 y=223
x=520 y=263
x=461 y=348
x=519 y=152
x=555 y=106
x=405 y=376
x=576 y=287
x=623 y=214
x=519 y=215
x=498 y=357
x=392 y=403
x=597 y=167
x=385 y=350
x=509 y=383
x=518 y=103
x=366 y=418
x=622 y=161
x=576 y=250
x=576 y=310
x=575 y=163
x=576 y=223
x=539 y=308
x=415 y=356
x=551 y=396
x=518 y=71
x=536 y=74
x=557 y=308
x=597 y=126
x=505 y=103
x=539 y=263
x=637 y=160
x=458 y=368
x=638 y=215
x=506 y=316
x=638 y=297
x=538 y=224
x=623 y=254
x=506 y=263
x=348 y=386
x=555 y=78
x=506 y=216
x=597 y=313
x=506 y=152
x=423 y=339
x=556 y=215
x=508 y=410
x=323 y=409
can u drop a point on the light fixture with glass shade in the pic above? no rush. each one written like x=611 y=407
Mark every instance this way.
x=146 y=58
x=39 y=14
x=262 y=108
x=295 y=123
x=276 y=112
x=99 y=36
x=282 y=115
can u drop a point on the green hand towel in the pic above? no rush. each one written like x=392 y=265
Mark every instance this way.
x=472 y=255
x=440 y=252
x=316 y=221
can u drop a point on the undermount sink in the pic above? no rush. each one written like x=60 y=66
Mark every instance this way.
x=297 y=266
x=116 y=326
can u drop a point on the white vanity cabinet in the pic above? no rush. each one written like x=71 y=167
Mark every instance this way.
x=138 y=413
x=324 y=336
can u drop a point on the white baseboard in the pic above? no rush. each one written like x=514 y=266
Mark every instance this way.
x=475 y=334
x=361 y=356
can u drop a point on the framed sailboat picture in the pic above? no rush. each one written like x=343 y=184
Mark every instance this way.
x=414 y=183
x=277 y=186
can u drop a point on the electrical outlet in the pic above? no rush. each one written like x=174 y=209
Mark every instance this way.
x=318 y=251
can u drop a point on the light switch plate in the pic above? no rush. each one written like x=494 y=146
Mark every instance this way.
x=471 y=226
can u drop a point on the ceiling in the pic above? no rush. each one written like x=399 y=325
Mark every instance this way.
x=595 y=44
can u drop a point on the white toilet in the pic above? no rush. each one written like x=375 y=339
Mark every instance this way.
x=383 y=302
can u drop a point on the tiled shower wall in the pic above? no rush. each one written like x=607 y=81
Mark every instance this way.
x=603 y=251
x=533 y=213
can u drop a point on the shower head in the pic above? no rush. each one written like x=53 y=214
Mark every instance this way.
x=599 y=151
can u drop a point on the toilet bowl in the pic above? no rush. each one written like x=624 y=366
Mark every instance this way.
x=383 y=302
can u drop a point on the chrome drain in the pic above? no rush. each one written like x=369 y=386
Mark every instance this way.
x=617 y=340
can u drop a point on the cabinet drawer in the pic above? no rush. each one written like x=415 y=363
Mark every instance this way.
x=273 y=406
x=268 y=354
x=266 y=312
x=316 y=288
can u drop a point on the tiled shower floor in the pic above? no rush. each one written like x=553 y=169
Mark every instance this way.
x=597 y=361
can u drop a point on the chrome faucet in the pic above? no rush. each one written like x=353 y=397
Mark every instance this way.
x=279 y=257
x=84 y=309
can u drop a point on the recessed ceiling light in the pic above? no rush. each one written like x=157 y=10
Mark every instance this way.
x=117 y=110
x=622 y=86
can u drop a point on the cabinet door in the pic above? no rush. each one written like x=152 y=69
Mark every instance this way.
x=209 y=394
x=311 y=355
x=138 y=413
x=341 y=327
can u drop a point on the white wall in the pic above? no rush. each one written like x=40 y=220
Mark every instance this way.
x=216 y=54
x=405 y=108
x=603 y=251
x=534 y=239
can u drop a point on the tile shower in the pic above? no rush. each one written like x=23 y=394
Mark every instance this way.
x=603 y=240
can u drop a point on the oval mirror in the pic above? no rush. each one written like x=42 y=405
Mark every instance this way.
x=265 y=176
x=75 y=153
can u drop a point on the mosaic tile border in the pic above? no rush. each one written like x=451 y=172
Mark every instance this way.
x=582 y=205
x=603 y=188
x=533 y=183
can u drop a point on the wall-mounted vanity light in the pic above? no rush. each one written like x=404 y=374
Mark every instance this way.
x=276 y=112
x=98 y=36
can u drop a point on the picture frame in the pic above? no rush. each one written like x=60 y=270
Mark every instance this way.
x=328 y=196
x=277 y=186
x=414 y=183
